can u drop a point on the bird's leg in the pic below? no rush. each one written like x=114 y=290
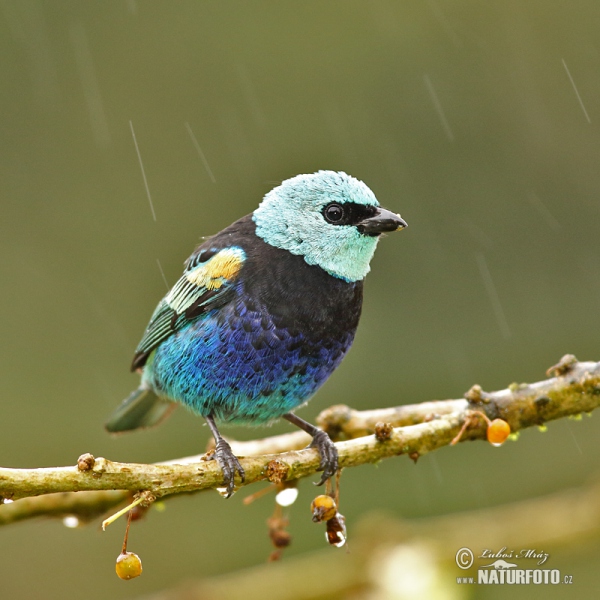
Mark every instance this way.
x=225 y=457
x=322 y=442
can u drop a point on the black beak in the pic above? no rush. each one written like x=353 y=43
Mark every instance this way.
x=382 y=221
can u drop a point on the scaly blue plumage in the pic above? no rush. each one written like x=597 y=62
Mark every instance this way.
x=235 y=364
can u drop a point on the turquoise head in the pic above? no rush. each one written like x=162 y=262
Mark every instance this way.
x=330 y=218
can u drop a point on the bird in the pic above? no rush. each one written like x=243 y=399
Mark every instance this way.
x=263 y=314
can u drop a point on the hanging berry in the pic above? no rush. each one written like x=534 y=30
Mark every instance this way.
x=497 y=432
x=128 y=565
x=323 y=508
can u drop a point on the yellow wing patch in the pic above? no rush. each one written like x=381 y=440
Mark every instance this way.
x=220 y=269
x=210 y=276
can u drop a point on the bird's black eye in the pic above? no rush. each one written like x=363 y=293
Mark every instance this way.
x=333 y=212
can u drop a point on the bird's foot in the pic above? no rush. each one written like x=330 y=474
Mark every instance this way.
x=322 y=442
x=329 y=455
x=230 y=465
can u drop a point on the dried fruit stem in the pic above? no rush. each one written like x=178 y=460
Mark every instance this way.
x=126 y=538
x=120 y=513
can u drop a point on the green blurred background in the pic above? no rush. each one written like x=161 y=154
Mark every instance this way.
x=461 y=115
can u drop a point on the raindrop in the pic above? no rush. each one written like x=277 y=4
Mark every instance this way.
x=163 y=274
x=443 y=21
x=222 y=491
x=251 y=96
x=137 y=149
x=438 y=107
x=576 y=91
x=287 y=496
x=340 y=537
x=71 y=522
x=200 y=153
x=7 y=501
x=89 y=83
x=437 y=472
x=493 y=295
x=575 y=441
x=543 y=210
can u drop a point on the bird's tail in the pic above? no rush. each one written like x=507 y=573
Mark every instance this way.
x=142 y=408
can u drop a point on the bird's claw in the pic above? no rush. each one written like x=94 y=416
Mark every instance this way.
x=329 y=455
x=230 y=465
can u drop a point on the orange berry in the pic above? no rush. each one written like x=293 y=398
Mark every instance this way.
x=497 y=432
x=128 y=565
x=323 y=508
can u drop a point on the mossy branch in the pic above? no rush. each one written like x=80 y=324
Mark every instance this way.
x=95 y=485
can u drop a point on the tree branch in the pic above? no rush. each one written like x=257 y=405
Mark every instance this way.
x=417 y=429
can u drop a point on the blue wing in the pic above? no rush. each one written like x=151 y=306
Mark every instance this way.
x=206 y=283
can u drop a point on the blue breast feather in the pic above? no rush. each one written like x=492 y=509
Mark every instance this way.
x=235 y=364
